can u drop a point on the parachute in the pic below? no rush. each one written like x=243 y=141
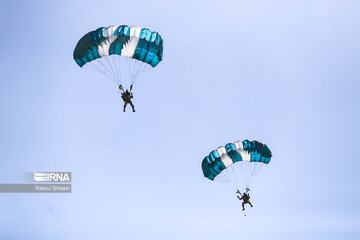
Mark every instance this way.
x=236 y=163
x=122 y=53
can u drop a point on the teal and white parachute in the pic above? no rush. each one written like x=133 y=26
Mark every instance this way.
x=236 y=163
x=122 y=53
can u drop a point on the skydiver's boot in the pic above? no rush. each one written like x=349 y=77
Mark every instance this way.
x=132 y=105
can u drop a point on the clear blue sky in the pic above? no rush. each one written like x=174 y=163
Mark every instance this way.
x=282 y=72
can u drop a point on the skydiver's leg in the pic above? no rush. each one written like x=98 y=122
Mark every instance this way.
x=125 y=103
x=132 y=105
x=250 y=204
x=243 y=206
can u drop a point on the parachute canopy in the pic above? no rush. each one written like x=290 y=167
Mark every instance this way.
x=238 y=152
x=133 y=42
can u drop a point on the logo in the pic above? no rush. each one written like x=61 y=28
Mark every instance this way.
x=52 y=176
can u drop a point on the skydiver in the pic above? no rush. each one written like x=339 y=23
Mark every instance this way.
x=127 y=96
x=245 y=197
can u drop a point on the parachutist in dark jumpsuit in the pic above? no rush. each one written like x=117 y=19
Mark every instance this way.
x=127 y=96
x=245 y=197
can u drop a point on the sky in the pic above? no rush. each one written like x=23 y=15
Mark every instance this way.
x=285 y=73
